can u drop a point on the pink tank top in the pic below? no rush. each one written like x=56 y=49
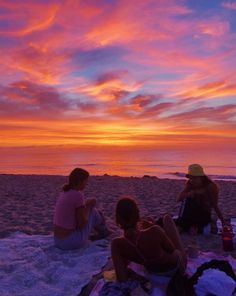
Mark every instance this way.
x=65 y=211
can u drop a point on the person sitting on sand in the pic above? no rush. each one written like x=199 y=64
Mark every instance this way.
x=158 y=249
x=200 y=195
x=75 y=217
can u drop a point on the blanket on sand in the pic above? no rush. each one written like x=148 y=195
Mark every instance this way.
x=31 y=265
x=159 y=283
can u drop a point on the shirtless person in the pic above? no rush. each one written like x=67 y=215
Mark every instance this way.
x=158 y=250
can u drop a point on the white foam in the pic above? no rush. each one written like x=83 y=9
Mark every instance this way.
x=31 y=265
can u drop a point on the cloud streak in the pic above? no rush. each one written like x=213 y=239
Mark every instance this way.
x=126 y=71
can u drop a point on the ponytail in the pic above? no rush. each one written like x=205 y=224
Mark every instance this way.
x=66 y=187
x=76 y=177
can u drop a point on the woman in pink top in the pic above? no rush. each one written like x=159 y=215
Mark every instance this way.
x=75 y=217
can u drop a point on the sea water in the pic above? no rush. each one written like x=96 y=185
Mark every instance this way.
x=123 y=161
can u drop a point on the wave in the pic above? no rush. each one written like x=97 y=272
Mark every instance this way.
x=89 y=164
x=216 y=177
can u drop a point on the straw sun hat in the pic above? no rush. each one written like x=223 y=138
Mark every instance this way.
x=195 y=170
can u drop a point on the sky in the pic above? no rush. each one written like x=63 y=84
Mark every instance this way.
x=118 y=73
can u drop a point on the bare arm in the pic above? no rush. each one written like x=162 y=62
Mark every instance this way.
x=213 y=191
x=183 y=194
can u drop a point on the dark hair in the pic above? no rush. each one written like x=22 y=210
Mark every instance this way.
x=76 y=177
x=206 y=181
x=127 y=212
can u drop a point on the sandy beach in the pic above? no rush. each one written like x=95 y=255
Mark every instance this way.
x=27 y=201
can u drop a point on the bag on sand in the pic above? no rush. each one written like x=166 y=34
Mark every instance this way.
x=181 y=285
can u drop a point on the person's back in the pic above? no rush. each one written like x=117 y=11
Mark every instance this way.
x=66 y=205
x=150 y=247
x=154 y=250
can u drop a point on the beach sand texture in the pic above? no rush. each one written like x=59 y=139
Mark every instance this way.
x=28 y=201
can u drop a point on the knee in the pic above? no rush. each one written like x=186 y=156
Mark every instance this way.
x=181 y=258
x=95 y=215
x=167 y=218
x=98 y=214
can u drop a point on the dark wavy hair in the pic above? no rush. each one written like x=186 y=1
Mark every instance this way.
x=206 y=181
x=76 y=177
x=127 y=213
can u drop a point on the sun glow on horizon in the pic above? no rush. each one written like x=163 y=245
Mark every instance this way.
x=117 y=73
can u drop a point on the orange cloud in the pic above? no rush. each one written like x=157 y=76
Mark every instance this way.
x=44 y=66
x=210 y=91
x=109 y=87
x=115 y=72
x=35 y=17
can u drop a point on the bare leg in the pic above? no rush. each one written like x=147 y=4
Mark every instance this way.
x=120 y=263
x=173 y=234
x=99 y=225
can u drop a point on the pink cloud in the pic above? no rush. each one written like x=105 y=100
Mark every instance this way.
x=28 y=18
x=145 y=100
x=24 y=98
x=229 y=5
x=214 y=27
x=205 y=115
x=210 y=91
x=130 y=60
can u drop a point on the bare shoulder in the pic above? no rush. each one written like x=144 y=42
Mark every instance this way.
x=155 y=229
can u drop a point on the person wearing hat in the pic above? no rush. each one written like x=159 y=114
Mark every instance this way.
x=198 y=198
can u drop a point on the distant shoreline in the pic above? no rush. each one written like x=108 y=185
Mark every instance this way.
x=176 y=176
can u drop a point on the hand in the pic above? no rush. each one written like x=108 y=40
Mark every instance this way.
x=91 y=202
x=224 y=223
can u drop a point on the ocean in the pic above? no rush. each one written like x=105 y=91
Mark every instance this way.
x=160 y=162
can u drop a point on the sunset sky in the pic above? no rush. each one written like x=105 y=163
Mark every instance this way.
x=124 y=72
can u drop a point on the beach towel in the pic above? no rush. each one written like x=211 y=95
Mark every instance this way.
x=160 y=283
x=31 y=265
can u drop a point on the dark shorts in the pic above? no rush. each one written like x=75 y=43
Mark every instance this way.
x=193 y=214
